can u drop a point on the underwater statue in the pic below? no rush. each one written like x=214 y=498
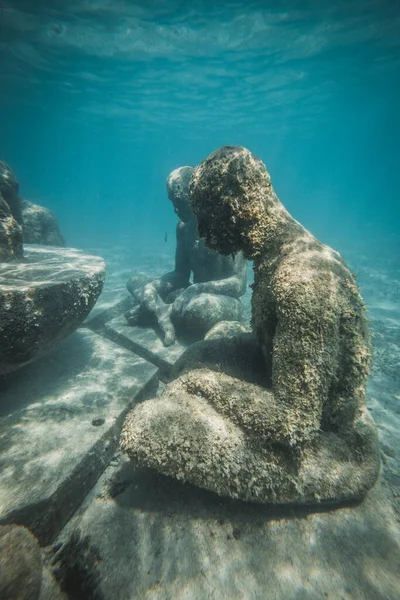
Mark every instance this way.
x=39 y=225
x=172 y=302
x=308 y=437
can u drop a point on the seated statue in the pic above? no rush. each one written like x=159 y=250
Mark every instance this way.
x=307 y=437
x=39 y=225
x=172 y=302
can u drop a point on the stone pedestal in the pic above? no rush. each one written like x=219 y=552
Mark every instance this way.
x=145 y=342
x=60 y=421
x=43 y=298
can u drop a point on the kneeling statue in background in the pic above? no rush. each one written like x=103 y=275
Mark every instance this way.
x=172 y=302
x=306 y=437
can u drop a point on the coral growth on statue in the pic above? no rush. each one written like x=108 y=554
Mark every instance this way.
x=307 y=436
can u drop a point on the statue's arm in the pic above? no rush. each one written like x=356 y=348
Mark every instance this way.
x=232 y=285
x=305 y=356
x=249 y=406
x=151 y=292
x=179 y=277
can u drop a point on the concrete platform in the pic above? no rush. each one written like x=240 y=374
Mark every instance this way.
x=145 y=342
x=60 y=420
x=143 y=536
x=108 y=307
x=114 y=291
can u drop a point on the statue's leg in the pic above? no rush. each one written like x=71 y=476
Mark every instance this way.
x=182 y=435
x=238 y=356
x=152 y=310
x=208 y=442
x=140 y=316
x=136 y=283
x=202 y=312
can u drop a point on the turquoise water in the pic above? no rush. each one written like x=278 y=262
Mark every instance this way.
x=100 y=100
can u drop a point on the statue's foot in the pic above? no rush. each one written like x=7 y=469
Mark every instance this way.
x=182 y=435
x=139 y=316
x=133 y=316
x=169 y=338
x=167 y=335
x=166 y=326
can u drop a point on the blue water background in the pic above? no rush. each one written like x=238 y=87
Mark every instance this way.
x=100 y=100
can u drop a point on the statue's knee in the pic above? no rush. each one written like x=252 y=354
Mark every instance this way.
x=213 y=308
x=137 y=281
x=196 y=317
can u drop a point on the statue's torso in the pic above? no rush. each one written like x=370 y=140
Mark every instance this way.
x=205 y=264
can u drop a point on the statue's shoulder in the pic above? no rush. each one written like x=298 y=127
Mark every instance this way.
x=180 y=226
x=181 y=232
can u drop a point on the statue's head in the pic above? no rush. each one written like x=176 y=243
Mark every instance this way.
x=178 y=192
x=8 y=182
x=226 y=195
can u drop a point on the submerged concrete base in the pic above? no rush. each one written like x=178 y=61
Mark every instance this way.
x=145 y=342
x=108 y=306
x=144 y=536
x=60 y=421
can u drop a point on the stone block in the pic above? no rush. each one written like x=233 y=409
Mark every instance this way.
x=43 y=299
x=60 y=421
x=144 y=536
x=109 y=306
x=145 y=342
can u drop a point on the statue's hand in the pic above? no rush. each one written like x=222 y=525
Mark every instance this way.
x=185 y=297
x=133 y=316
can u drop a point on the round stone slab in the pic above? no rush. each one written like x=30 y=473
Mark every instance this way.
x=43 y=298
